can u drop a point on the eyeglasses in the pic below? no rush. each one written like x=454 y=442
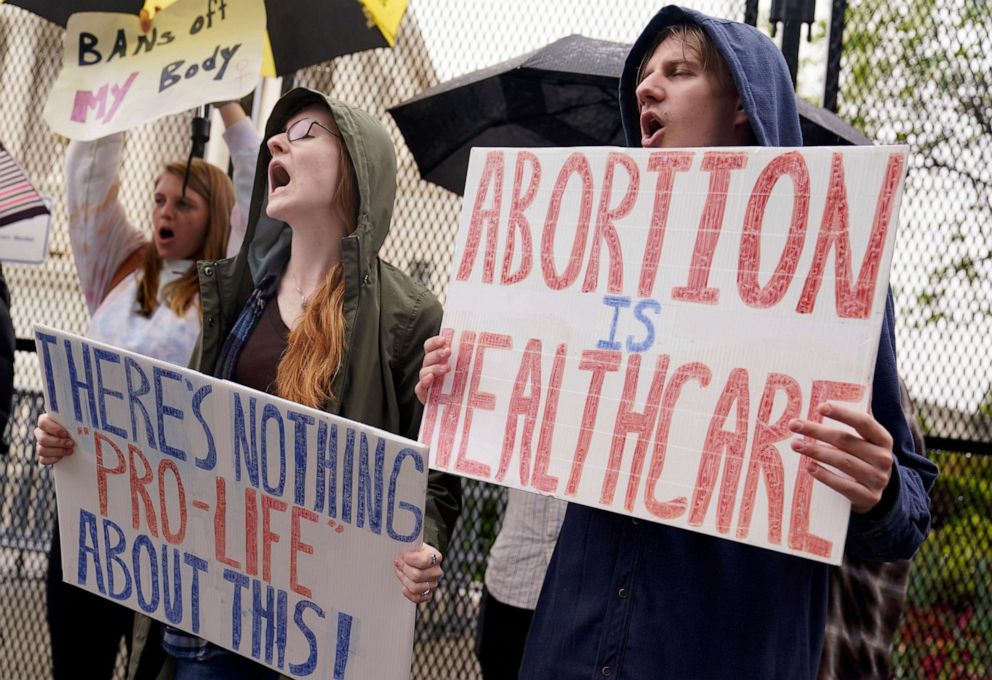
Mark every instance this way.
x=302 y=127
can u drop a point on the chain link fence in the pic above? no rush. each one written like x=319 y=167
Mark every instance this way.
x=911 y=72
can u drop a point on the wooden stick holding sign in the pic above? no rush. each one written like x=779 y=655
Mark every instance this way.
x=261 y=525
x=634 y=329
x=116 y=75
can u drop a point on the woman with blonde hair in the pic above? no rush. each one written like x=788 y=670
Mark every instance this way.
x=143 y=296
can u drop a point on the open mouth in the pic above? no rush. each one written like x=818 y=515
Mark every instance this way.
x=165 y=233
x=651 y=128
x=278 y=176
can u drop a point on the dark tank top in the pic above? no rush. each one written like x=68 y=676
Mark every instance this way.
x=262 y=353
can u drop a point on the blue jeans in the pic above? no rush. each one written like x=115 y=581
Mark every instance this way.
x=224 y=666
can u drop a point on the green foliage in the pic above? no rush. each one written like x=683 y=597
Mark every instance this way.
x=919 y=73
x=946 y=631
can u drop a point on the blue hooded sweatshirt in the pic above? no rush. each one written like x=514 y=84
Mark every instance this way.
x=632 y=600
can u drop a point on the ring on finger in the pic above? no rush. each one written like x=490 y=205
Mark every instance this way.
x=426 y=593
x=433 y=558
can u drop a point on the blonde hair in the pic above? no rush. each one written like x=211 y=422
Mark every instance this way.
x=695 y=38
x=316 y=346
x=215 y=187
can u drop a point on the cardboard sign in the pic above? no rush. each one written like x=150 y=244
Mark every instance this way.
x=115 y=76
x=261 y=525
x=634 y=329
x=25 y=216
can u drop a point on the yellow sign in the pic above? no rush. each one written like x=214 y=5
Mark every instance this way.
x=115 y=74
x=387 y=15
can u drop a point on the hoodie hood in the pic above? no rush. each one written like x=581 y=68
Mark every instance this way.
x=266 y=244
x=758 y=67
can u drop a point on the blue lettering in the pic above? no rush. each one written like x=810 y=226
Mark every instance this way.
x=271 y=412
x=46 y=342
x=209 y=460
x=300 y=423
x=241 y=441
x=617 y=303
x=648 y=340
x=99 y=356
x=327 y=463
x=172 y=602
x=308 y=666
x=89 y=546
x=344 y=642
x=418 y=517
x=370 y=490
x=133 y=368
x=240 y=582
x=143 y=544
x=194 y=597
x=347 y=482
x=78 y=385
x=163 y=410
x=112 y=553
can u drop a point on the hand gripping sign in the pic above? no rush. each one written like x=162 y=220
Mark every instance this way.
x=116 y=76
x=634 y=329
x=261 y=525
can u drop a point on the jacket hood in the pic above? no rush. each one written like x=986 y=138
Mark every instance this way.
x=266 y=244
x=758 y=67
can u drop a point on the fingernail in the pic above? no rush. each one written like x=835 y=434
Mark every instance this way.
x=824 y=408
x=795 y=425
x=798 y=445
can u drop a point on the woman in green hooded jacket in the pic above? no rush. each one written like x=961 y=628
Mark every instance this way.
x=308 y=311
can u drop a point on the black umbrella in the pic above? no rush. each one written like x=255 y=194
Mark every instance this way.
x=58 y=11
x=564 y=94
x=301 y=32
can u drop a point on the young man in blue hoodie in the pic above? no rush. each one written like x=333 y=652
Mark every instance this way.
x=635 y=600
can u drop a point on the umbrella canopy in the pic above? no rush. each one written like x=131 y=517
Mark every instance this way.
x=58 y=11
x=564 y=94
x=300 y=32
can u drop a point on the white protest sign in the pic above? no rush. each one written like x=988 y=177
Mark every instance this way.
x=634 y=329
x=26 y=241
x=261 y=525
x=115 y=76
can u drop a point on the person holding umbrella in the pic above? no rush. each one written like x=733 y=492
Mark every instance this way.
x=323 y=321
x=625 y=598
x=142 y=295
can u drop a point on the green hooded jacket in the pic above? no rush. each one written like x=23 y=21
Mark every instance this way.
x=388 y=316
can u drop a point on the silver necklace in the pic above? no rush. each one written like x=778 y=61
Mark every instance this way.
x=304 y=299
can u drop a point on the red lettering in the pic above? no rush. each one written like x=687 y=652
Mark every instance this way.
x=800 y=537
x=450 y=403
x=102 y=471
x=220 y=524
x=719 y=164
x=541 y=480
x=297 y=546
x=251 y=532
x=518 y=222
x=853 y=302
x=765 y=459
x=138 y=485
x=666 y=164
x=268 y=536
x=749 y=262
x=528 y=378
x=578 y=164
x=605 y=228
x=599 y=362
x=174 y=537
x=492 y=174
x=683 y=374
x=629 y=421
x=718 y=441
x=479 y=400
